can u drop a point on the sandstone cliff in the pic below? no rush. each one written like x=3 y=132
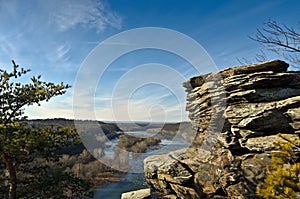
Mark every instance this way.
x=236 y=113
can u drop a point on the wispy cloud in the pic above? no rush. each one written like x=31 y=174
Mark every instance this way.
x=6 y=47
x=60 y=106
x=87 y=14
x=161 y=105
x=142 y=110
x=60 y=56
x=48 y=110
x=49 y=31
x=62 y=52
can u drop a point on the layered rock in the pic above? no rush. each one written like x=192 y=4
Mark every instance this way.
x=139 y=194
x=237 y=113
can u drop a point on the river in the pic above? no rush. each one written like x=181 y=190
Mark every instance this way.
x=135 y=180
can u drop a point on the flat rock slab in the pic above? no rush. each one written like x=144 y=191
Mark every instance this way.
x=139 y=194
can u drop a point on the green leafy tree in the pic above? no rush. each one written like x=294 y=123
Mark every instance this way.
x=20 y=143
x=283 y=175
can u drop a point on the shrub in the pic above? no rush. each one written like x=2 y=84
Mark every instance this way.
x=283 y=175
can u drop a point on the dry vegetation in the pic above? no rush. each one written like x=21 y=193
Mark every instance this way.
x=84 y=166
x=137 y=144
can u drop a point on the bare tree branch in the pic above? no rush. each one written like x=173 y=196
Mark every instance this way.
x=281 y=39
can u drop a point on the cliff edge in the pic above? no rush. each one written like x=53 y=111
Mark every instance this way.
x=236 y=113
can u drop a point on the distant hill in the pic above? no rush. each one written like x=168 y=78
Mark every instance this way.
x=114 y=129
x=111 y=130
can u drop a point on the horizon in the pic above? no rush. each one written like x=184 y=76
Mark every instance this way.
x=110 y=121
x=57 y=38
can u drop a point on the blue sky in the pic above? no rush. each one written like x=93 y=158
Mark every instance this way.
x=54 y=38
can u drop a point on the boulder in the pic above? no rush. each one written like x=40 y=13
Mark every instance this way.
x=139 y=194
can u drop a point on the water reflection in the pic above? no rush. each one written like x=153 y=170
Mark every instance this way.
x=135 y=180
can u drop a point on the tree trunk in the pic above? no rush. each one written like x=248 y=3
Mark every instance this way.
x=12 y=176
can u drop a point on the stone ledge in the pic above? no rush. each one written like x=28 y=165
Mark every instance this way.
x=138 y=194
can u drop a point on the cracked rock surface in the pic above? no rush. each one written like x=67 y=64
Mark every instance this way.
x=237 y=113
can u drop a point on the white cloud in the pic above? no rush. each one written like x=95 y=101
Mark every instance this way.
x=149 y=108
x=58 y=107
x=6 y=47
x=50 y=32
x=60 y=56
x=156 y=107
x=60 y=53
x=48 y=111
x=137 y=110
x=10 y=43
x=157 y=96
x=69 y=14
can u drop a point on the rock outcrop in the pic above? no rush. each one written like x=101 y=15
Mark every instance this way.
x=139 y=194
x=237 y=113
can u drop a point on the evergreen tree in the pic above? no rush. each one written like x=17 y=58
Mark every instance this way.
x=20 y=143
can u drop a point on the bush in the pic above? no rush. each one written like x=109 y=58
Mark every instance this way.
x=283 y=175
